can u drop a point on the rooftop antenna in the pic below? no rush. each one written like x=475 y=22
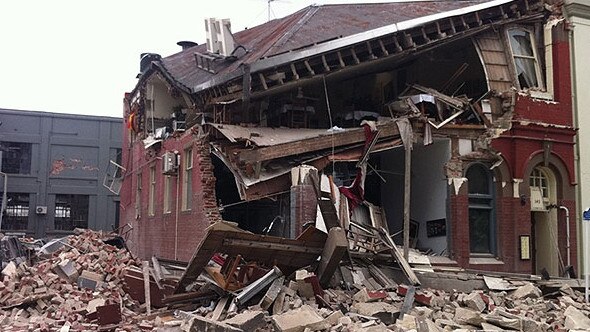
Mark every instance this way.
x=269 y=9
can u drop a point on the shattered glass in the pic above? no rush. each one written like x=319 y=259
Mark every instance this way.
x=524 y=58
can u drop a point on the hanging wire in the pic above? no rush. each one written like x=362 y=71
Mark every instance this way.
x=331 y=124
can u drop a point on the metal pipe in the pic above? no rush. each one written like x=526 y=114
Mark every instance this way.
x=567 y=232
x=586 y=221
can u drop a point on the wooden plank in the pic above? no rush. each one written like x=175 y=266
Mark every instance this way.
x=407 y=188
x=270 y=246
x=329 y=213
x=399 y=257
x=335 y=248
x=146 y=286
x=277 y=307
x=219 y=308
x=348 y=137
x=272 y=293
x=408 y=301
x=226 y=238
x=157 y=271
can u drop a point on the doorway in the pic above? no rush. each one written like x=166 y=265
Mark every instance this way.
x=544 y=229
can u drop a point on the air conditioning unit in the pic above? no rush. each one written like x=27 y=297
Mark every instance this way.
x=178 y=125
x=41 y=210
x=169 y=163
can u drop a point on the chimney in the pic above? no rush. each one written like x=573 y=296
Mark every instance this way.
x=146 y=60
x=219 y=37
x=186 y=44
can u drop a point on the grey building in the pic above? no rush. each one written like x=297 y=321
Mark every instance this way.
x=55 y=166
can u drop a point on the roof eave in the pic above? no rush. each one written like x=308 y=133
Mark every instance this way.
x=270 y=62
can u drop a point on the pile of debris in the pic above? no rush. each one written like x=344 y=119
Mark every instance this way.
x=240 y=281
x=75 y=281
x=399 y=309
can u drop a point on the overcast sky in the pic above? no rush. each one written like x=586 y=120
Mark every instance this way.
x=75 y=56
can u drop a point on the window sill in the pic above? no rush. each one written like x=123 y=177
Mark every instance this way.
x=485 y=261
x=540 y=94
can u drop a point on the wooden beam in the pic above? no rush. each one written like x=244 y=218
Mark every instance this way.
x=424 y=35
x=309 y=69
x=270 y=246
x=325 y=63
x=342 y=64
x=334 y=250
x=398 y=47
x=347 y=137
x=356 y=58
x=294 y=71
x=407 y=188
x=452 y=24
x=399 y=257
x=383 y=49
x=370 y=50
x=263 y=81
x=146 y=286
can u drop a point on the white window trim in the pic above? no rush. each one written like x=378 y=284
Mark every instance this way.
x=152 y=193
x=187 y=166
x=540 y=92
x=167 y=196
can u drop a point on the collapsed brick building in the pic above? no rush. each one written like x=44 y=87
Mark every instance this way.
x=449 y=122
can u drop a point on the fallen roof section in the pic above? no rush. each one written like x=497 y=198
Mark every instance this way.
x=227 y=238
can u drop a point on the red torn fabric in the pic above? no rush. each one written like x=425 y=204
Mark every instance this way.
x=356 y=191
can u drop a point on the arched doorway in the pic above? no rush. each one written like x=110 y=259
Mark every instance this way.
x=543 y=188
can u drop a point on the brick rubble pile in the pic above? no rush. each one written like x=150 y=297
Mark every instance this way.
x=64 y=287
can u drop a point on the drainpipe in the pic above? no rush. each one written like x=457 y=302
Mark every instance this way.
x=567 y=231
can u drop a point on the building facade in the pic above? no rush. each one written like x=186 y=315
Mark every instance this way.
x=55 y=167
x=454 y=115
x=578 y=14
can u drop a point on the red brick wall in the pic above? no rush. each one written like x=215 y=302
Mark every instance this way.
x=303 y=206
x=536 y=121
x=169 y=235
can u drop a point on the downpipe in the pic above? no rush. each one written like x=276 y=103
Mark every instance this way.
x=567 y=232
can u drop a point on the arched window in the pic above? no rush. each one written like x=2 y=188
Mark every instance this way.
x=538 y=179
x=482 y=228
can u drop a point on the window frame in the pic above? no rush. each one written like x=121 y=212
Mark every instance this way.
x=477 y=201
x=20 y=146
x=16 y=211
x=152 y=192
x=538 y=70
x=71 y=211
x=187 y=167
x=167 y=194
x=138 y=189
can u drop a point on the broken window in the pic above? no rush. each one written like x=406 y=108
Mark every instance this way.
x=16 y=214
x=481 y=210
x=152 y=193
x=525 y=58
x=16 y=157
x=187 y=179
x=71 y=211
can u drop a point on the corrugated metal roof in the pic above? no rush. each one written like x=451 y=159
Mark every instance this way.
x=309 y=26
